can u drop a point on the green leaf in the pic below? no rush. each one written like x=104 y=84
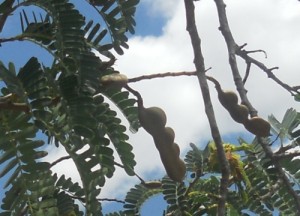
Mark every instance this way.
x=297 y=97
x=8 y=167
x=29 y=132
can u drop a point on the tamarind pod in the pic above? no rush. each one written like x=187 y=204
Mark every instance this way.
x=258 y=126
x=227 y=98
x=165 y=138
x=115 y=80
x=176 y=148
x=152 y=119
x=152 y=184
x=239 y=113
x=174 y=166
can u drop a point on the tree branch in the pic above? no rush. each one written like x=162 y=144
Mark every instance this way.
x=162 y=75
x=247 y=73
x=254 y=51
x=200 y=67
x=244 y=55
x=232 y=47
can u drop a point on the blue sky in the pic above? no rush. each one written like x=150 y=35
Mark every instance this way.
x=161 y=44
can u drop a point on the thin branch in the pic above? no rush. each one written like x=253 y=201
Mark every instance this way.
x=140 y=178
x=296 y=88
x=244 y=54
x=27 y=36
x=283 y=149
x=14 y=106
x=280 y=171
x=254 y=51
x=137 y=94
x=3 y=40
x=287 y=155
x=82 y=199
x=214 y=81
x=247 y=72
x=162 y=75
x=200 y=67
x=232 y=47
x=276 y=138
x=259 y=50
x=60 y=160
x=111 y=200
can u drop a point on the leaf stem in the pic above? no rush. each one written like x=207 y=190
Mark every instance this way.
x=60 y=160
x=140 y=178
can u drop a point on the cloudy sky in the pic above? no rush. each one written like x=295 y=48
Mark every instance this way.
x=161 y=44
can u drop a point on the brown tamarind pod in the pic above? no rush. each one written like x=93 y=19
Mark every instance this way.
x=174 y=166
x=227 y=98
x=169 y=154
x=176 y=148
x=164 y=138
x=152 y=119
x=114 y=80
x=239 y=113
x=152 y=184
x=258 y=126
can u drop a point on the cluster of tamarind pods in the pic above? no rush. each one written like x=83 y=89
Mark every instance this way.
x=153 y=120
x=240 y=112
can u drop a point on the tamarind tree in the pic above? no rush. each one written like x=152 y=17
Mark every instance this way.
x=66 y=102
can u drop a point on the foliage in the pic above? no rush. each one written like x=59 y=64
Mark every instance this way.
x=67 y=103
x=255 y=186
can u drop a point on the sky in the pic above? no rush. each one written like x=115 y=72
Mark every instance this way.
x=161 y=44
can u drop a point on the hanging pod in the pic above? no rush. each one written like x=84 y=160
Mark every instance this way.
x=152 y=119
x=228 y=99
x=239 y=113
x=258 y=126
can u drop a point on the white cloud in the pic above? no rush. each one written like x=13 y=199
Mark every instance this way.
x=268 y=25
x=164 y=8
